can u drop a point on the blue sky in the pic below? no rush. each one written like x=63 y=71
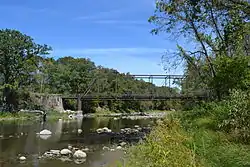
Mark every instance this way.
x=112 y=33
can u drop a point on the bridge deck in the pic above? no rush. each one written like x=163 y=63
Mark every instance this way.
x=138 y=97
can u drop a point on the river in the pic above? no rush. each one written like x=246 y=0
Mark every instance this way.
x=21 y=139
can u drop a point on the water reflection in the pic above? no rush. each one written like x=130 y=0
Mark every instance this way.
x=20 y=138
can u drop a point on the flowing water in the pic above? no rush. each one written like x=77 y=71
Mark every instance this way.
x=21 y=139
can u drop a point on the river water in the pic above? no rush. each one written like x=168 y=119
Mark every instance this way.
x=21 y=139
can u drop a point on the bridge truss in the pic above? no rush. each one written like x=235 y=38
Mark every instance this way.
x=168 y=82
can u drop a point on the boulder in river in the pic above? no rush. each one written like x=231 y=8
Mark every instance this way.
x=45 y=132
x=79 y=131
x=100 y=130
x=136 y=126
x=49 y=154
x=65 y=152
x=70 y=147
x=118 y=147
x=106 y=148
x=55 y=152
x=85 y=149
x=79 y=154
x=70 y=116
x=105 y=129
x=22 y=158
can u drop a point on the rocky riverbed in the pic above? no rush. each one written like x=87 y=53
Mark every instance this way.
x=88 y=141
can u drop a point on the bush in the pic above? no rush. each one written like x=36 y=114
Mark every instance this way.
x=237 y=121
x=167 y=145
x=208 y=115
x=191 y=139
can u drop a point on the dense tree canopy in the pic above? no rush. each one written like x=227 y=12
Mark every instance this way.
x=23 y=70
x=18 y=61
x=220 y=32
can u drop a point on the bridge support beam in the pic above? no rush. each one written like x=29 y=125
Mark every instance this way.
x=79 y=103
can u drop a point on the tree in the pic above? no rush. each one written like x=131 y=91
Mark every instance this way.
x=71 y=75
x=18 y=55
x=217 y=28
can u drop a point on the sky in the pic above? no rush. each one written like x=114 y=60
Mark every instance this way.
x=112 y=33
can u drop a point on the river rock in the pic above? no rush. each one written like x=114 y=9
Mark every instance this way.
x=75 y=149
x=79 y=131
x=55 y=152
x=65 y=152
x=137 y=126
x=49 y=154
x=45 y=132
x=118 y=147
x=70 y=147
x=100 y=130
x=79 y=154
x=106 y=148
x=105 y=129
x=85 y=149
x=22 y=158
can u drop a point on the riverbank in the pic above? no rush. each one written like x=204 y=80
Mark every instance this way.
x=23 y=116
x=16 y=116
x=190 y=139
x=151 y=114
x=54 y=115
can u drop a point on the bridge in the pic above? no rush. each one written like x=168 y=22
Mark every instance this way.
x=167 y=80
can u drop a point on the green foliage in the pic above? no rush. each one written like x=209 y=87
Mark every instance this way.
x=166 y=146
x=232 y=73
x=18 y=60
x=209 y=115
x=237 y=121
x=220 y=31
x=215 y=149
x=194 y=138
x=23 y=70
x=7 y=116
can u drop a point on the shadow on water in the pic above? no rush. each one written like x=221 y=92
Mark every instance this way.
x=20 y=138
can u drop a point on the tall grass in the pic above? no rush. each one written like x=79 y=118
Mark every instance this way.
x=198 y=137
x=167 y=145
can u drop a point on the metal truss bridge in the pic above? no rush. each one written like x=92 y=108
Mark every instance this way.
x=167 y=80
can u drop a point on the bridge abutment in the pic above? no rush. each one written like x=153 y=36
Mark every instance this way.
x=50 y=101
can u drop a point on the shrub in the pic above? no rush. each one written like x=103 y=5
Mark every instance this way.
x=167 y=145
x=237 y=120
